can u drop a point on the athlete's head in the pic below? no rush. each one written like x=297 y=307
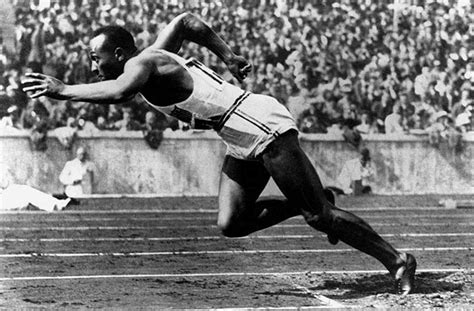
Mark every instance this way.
x=111 y=47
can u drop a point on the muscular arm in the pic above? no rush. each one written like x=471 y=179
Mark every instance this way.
x=189 y=27
x=137 y=71
x=135 y=75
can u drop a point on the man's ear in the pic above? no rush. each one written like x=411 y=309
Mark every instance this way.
x=119 y=54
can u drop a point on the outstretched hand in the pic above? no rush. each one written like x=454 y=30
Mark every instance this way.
x=43 y=85
x=239 y=67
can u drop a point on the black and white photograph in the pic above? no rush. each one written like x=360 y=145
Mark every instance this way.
x=236 y=154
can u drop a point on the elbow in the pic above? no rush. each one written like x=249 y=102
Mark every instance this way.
x=118 y=97
x=190 y=22
x=186 y=16
x=121 y=96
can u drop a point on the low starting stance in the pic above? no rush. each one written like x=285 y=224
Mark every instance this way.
x=260 y=134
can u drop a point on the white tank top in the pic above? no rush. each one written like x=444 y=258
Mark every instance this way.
x=211 y=95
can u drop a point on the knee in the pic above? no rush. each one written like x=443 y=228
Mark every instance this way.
x=228 y=228
x=321 y=222
x=329 y=195
x=228 y=224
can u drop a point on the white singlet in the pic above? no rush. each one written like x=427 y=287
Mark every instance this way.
x=246 y=122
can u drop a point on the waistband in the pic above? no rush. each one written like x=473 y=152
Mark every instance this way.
x=215 y=122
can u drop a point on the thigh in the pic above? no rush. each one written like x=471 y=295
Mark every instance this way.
x=241 y=184
x=295 y=175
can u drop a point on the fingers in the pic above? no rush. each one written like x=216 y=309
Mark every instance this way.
x=30 y=81
x=35 y=75
x=34 y=84
x=244 y=71
x=35 y=95
x=34 y=88
x=247 y=68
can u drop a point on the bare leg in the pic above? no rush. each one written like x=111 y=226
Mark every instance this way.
x=241 y=184
x=297 y=179
x=239 y=214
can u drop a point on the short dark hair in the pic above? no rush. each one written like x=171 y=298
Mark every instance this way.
x=116 y=37
x=365 y=154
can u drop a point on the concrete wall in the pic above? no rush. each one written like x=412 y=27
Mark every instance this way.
x=7 y=27
x=189 y=163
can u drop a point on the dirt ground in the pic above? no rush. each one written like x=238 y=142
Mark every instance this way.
x=167 y=253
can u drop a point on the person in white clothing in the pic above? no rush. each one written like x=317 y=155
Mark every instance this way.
x=354 y=175
x=17 y=197
x=393 y=121
x=76 y=173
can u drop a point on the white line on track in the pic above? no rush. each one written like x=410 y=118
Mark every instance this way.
x=309 y=308
x=84 y=228
x=224 y=274
x=226 y=252
x=211 y=217
x=323 y=299
x=214 y=211
x=210 y=238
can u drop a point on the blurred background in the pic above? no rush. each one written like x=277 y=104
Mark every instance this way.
x=331 y=63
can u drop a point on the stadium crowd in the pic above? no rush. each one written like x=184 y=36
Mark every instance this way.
x=360 y=64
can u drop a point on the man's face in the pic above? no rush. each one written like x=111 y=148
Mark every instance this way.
x=81 y=154
x=104 y=61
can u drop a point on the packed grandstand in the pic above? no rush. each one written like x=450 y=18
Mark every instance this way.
x=369 y=65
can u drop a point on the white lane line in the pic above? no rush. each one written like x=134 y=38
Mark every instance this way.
x=309 y=308
x=211 y=238
x=225 y=252
x=224 y=274
x=84 y=228
x=214 y=211
x=298 y=218
x=324 y=300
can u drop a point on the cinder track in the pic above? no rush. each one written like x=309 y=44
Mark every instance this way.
x=162 y=253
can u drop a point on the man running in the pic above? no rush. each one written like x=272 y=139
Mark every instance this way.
x=260 y=134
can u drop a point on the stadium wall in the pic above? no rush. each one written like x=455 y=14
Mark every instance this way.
x=189 y=163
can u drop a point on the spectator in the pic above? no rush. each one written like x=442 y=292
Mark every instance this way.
x=422 y=81
x=83 y=121
x=127 y=123
x=78 y=175
x=438 y=131
x=12 y=120
x=67 y=134
x=303 y=50
x=454 y=135
x=153 y=129
x=298 y=101
x=34 y=114
x=344 y=104
x=335 y=130
x=393 y=122
x=355 y=174
x=15 y=196
x=310 y=121
x=5 y=101
x=102 y=124
x=364 y=127
x=464 y=119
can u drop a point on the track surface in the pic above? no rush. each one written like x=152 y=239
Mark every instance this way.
x=168 y=253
